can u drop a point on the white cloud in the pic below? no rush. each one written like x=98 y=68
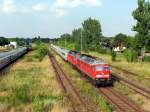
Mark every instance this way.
x=67 y=5
x=93 y=2
x=8 y=6
x=75 y=3
x=59 y=7
x=40 y=7
x=60 y=12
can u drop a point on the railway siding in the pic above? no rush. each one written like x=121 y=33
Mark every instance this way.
x=79 y=104
x=119 y=101
x=133 y=85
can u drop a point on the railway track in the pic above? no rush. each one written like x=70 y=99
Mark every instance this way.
x=119 y=101
x=78 y=103
x=127 y=72
x=133 y=85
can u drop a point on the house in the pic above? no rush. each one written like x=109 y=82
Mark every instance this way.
x=119 y=49
x=14 y=44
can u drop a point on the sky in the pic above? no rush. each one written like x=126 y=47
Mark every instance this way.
x=51 y=18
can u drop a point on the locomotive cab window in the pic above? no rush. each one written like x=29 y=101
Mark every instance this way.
x=106 y=68
x=98 y=68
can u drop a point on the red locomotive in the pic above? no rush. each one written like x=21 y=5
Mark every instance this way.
x=95 y=68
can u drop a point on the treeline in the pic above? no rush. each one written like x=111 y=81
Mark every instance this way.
x=22 y=41
x=90 y=37
x=4 y=41
x=85 y=39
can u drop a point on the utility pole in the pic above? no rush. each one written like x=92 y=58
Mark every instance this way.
x=65 y=42
x=81 y=41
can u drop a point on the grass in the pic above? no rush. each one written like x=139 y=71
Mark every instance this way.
x=86 y=89
x=2 y=49
x=123 y=88
x=31 y=86
x=139 y=99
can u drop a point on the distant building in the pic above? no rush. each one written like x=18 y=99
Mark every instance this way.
x=14 y=44
x=119 y=49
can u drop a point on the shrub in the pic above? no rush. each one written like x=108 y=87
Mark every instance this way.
x=29 y=59
x=38 y=105
x=20 y=95
x=130 y=55
x=113 y=56
x=42 y=50
x=102 y=51
x=146 y=59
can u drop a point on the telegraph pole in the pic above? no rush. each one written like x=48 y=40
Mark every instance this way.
x=81 y=41
x=65 y=42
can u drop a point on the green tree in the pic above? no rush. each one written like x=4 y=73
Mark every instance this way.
x=91 y=34
x=76 y=34
x=120 y=40
x=130 y=55
x=65 y=39
x=142 y=15
x=3 y=41
x=42 y=50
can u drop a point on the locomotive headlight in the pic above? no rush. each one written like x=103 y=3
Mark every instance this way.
x=107 y=75
x=102 y=76
x=98 y=76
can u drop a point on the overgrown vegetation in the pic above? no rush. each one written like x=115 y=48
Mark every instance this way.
x=42 y=50
x=31 y=86
x=130 y=55
x=146 y=58
x=113 y=56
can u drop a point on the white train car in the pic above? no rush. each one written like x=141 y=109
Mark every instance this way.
x=64 y=53
x=61 y=51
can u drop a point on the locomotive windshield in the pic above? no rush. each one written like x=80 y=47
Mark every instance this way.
x=106 y=68
x=98 y=68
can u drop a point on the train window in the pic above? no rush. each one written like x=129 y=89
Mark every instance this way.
x=106 y=68
x=98 y=68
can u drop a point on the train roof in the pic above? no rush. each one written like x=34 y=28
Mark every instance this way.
x=4 y=54
x=91 y=60
x=64 y=50
x=74 y=52
x=87 y=58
